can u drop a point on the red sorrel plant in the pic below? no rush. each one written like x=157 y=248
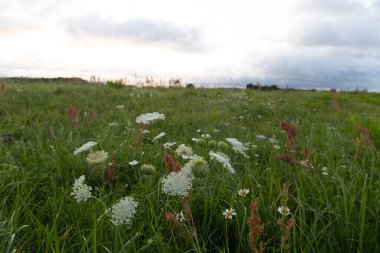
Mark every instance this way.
x=89 y=119
x=256 y=229
x=335 y=101
x=140 y=134
x=291 y=134
x=170 y=164
x=365 y=136
x=73 y=115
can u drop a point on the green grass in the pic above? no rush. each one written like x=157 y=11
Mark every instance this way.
x=335 y=213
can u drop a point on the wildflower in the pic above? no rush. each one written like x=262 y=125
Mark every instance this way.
x=243 y=192
x=194 y=139
x=147 y=169
x=197 y=166
x=80 y=191
x=229 y=213
x=177 y=184
x=170 y=164
x=206 y=136
x=324 y=171
x=148 y=118
x=223 y=159
x=133 y=163
x=284 y=210
x=145 y=131
x=260 y=137
x=184 y=151
x=97 y=157
x=169 y=144
x=85 y=147
x=237 y=146
x=276 y=147
x=160 y=135
x=273 y=140
x=180 y=217
x=120 y=106
x=123 y=211
x=112 y=124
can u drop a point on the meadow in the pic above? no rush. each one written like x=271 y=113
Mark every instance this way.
x=300 y=169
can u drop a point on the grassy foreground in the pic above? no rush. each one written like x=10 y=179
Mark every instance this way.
x=332 y=177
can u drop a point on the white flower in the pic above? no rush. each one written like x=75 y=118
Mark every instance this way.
x=243 y=192
x=260 y=137
x=195 y=139
x=223 y=159
x=145 y=131
x=97 y=157
x=148 y=118
x=184 y=151
x=180 y=216
x=112 y=124
x=123 y=211
x=237 y=146
x=160 y=135
x=85 y=147
x=272 y=140
x=229 y=213
x=133 y=163
x=80 y=191
x=325 y=173
x=205 y=136
x=169 y=144
x=276 y=147
x=120 y=106
x=177 y=184
x=284 y=210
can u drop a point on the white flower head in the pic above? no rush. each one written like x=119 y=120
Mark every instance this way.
x=133 y=163
x=238 y=146
x=184 y=151
x=276 y=147
x=229 y=213
x=260 y=137
x=180 y=217
x=243 y=192
x=97 y=157
x=113 y=124
x=85 y=147
x=120 y=106
x=148 y=118
x=206 y=136
x=160 y=135
x=80 y=191
x=169 y=144
x=223 y=159
x=284 y=210
x=123 y=211
x=177 y=184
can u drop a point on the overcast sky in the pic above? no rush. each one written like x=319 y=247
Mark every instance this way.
x=295 y=43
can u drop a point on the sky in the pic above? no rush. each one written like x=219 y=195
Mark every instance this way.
x=291 y=43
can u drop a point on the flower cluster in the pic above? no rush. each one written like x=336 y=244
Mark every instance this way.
x=177 y=184
x=184 y=151
x=160 y=135
x=123 y=211
x=223 y=159
x=148 y=118
x=97 y=157
x=80 y=191
x=237 y=146
x=85 y=147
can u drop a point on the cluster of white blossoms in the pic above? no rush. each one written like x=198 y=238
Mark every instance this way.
x=148 y=118
x=238 y=146
x=123 y=211
x=223 y=159
x=81 y=191
x=184 y=151
x=169 y=144
x=85 y=147
x=177 y=184
x=97 y=157
x=160 y=135
x=243 y=192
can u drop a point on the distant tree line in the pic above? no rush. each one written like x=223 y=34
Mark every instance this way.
x=258 y=86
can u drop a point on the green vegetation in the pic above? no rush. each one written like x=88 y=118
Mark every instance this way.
x=333 y=176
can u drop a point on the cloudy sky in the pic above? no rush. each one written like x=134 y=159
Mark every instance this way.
x=295 y=43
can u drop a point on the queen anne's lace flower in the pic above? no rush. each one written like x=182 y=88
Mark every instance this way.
x=97 y=157
x=160 y=135
x=123 y=211
x=80 y=191
x=223 y=159
x=148 y=118
x=177 y=184
x=237 y=146
x=184 y=151
x=85 y=147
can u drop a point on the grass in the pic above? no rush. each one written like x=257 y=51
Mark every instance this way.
x=334 y=213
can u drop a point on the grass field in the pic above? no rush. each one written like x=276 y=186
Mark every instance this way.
x=330 y=181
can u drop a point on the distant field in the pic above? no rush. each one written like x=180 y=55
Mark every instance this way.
x=315 y=154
